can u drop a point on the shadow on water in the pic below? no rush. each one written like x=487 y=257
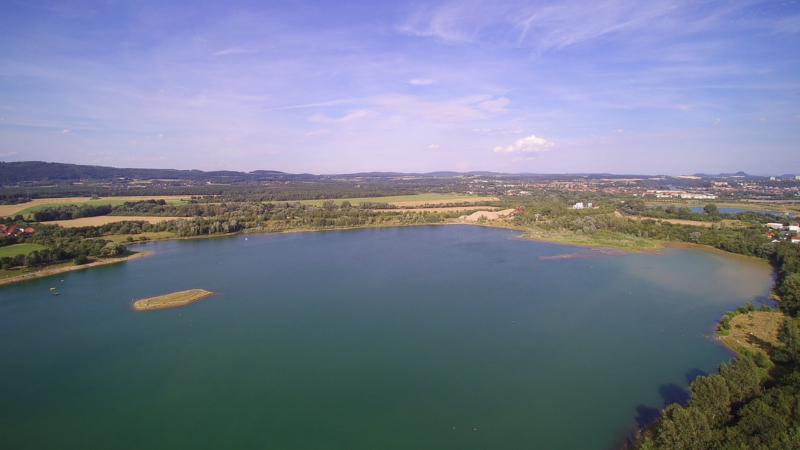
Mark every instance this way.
x=647 y=415
x=694 y=373
x=672 y=393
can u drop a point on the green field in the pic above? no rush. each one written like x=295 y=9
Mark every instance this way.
x=420 y=198
x=19 y=249
x=701 y=203
x=154 y=236
x=113 y=202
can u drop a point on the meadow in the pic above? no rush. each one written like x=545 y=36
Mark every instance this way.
x=34 y=205
x=19 y=249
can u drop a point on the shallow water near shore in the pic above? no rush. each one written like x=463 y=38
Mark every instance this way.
x=438 y=337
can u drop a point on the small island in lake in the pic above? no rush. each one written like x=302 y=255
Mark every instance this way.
x=170 y=300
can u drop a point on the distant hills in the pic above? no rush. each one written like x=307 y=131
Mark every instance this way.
x=12 y=173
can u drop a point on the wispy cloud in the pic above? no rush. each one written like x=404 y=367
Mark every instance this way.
x=232 y=51
x=321 y=118
x=319 y=133
x=457 y=110
x=434 y=146
x=421 y=82
x=788 y=25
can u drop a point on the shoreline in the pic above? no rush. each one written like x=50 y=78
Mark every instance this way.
x=525 y=234
x=64 y=269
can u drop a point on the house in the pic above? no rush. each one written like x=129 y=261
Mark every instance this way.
x=775 y=226
x=795 y=240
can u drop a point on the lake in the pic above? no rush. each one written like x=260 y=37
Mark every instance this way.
x=435 y=337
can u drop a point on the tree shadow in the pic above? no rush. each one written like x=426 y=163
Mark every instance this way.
x=646 y=416
x=693 y=373
x=672 y=393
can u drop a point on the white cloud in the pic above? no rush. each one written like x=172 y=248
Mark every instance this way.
x=496 y=131
x=488 y=131
x=65 y=131
x=434 y=146
x=321 y=118
x=619 y=130
x=422 y=82
x=160 y=135
x=530 y=144
x=3 y=155
x=797 y=117
x=761 y=119
x=717 y=122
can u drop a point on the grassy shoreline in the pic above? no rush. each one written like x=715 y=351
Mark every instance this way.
x=600 y=239
x=69 y=268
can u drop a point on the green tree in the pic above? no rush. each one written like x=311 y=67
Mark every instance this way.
x=683 y=429
x=742 y=378
x=711 y=397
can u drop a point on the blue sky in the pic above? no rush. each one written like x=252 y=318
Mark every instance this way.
x=619 y=86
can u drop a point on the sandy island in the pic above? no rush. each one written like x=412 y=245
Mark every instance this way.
x=180 y=298
x=62 y=269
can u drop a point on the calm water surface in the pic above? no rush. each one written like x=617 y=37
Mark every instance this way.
x=449 y=337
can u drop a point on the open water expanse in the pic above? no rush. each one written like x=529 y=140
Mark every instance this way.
x=439 y=337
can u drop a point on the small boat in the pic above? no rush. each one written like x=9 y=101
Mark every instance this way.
x=52 y=289
x=55 y=293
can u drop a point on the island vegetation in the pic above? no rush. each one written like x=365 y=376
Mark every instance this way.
x=753 y=402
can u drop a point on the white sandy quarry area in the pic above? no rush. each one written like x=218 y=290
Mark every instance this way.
x=489 y=215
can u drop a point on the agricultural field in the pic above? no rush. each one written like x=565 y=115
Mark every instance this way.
x=34 y=205
x=102 y=220
x=409 y=200
x=19 y=249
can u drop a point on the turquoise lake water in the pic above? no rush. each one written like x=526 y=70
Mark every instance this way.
x=437 y=337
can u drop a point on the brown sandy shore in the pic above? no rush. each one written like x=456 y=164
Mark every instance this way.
x=56 y=271
x=172 y=300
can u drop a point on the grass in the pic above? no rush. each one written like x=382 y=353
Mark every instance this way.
x=12 y=210
x=17 y=271
x=102 y=220
x=701 y=203
x=599 y=239
x=754 y=332
x=154 y=236
x=19 y=249
x=171 y=300
x=419 y=199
